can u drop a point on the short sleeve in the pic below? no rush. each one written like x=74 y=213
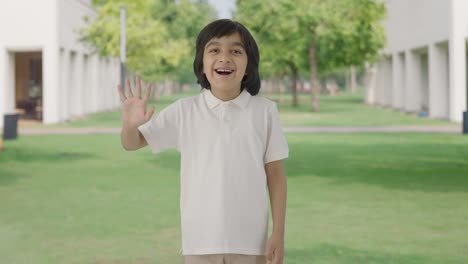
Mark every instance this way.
x=276 y=145
x=162 y=130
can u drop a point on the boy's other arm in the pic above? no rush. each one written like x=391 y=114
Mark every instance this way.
x=277 y=188
x=134 y=114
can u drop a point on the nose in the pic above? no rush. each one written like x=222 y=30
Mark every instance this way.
x=224 y=57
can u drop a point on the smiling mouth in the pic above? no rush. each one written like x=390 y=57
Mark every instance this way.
x=224 y=71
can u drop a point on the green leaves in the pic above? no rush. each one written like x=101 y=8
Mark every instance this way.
x=160 y=33
x=344 y=32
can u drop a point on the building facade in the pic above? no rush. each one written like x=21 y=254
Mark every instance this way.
x=46 y=73
x=423 y=68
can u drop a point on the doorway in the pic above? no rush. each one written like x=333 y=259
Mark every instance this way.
x=28 y=85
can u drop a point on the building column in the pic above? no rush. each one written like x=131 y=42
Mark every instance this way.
x=370 y=83
x=398 y=81
x=380 y=83
x=117 y=81
x=388 y=82
x=64 y=107
x=438 y=82
x=3 y=82
x=101 y=86
x=94 y=82
x=7 y=83
x=72 y=86
x=457 y=60
x=86 y=91
x=51 y=84
x=107 y=84
x=412 y=85
x=424 y=81
x=78 y=85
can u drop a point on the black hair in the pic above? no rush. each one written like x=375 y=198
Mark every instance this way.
x=226 y=27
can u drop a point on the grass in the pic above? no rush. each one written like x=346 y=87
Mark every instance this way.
x=343 y=110
x=358 y=198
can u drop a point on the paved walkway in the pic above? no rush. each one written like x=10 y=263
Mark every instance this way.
x=387 y=129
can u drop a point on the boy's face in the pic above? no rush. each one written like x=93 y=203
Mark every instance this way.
x=225 y=63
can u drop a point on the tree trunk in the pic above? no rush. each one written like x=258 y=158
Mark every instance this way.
x=270 y=87
x=313 y=78
x=275 y=84
x=168 y=87
x=348 y=81
x=293 y=83
x=156 y=91
x=265 y=84
x=353 y=80
x=178 y=87
x=185 y=87
x=281 y=92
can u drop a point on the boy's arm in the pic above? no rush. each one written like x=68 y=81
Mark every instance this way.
x=277 y=189
x=132 y=139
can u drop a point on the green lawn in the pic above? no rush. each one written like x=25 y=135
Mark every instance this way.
x=358 y=198
x=346 y=110
x=343 y=110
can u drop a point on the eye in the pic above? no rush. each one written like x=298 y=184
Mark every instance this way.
x=237 y=51
x=214 y=50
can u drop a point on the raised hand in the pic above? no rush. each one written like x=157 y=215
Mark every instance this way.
x=134 y=112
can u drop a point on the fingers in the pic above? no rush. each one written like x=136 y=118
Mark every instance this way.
x=128 y=89
x=148 y=92
x=138 y=87
x=274 y=256
x=129 y=92
x=149 y=113
x=121 y=93
x=269 y=256
x=278 y=257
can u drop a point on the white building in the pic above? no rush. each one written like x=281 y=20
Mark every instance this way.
x=45 y=72
x=424 y=65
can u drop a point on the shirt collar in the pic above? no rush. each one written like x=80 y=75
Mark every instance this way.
x=212 y=101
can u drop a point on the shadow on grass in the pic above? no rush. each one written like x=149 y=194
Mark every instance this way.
x=9 y=176
x=168 y=159
x=33 y=155
x=333 y=254
x=20 y=156
x=407 y=165
x=328 y=104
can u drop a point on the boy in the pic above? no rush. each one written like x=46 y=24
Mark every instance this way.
x=231 y=146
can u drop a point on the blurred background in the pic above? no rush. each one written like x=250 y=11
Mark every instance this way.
x=372 y=96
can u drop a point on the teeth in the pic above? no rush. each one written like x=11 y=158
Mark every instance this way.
x=223 y=70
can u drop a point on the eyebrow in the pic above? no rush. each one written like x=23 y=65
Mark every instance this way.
x=217 y=43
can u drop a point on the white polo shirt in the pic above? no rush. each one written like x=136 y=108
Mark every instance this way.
x=224 y=147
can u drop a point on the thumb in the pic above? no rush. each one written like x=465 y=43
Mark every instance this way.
x=149 y=113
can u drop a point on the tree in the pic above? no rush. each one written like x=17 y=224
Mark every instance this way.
x=331 y=34
x=274 y=29
x=184 y=21
x=160 y=33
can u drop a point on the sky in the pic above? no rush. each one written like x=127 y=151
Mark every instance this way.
x=224 y=7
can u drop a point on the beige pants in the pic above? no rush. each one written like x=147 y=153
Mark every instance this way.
x=225 y=259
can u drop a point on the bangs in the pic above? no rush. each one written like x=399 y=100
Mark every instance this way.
x=226 y=28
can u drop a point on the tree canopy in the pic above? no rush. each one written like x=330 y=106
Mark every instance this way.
x=160 y=34
x=314 y=36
